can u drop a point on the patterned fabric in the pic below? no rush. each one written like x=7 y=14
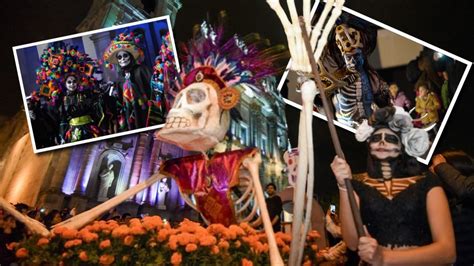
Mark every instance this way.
x=401 y=221
x=209 y=181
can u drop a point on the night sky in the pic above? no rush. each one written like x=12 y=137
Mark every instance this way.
x=444 y=25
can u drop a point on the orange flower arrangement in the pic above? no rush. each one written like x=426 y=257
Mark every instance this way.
x=151 y=241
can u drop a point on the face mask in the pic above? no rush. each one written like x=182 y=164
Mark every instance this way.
x=123 y=58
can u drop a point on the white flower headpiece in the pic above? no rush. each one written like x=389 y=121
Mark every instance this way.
x=415 y=140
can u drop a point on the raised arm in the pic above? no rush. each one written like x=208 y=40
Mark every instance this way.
x=461 y=185
x=341 y=170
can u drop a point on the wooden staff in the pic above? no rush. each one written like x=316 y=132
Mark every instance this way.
x=332 y=129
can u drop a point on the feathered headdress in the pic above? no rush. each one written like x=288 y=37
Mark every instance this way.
x=208 y=56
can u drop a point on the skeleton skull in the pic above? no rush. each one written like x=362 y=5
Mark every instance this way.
x=71 y=83
x=123 y=58
x=195 y=122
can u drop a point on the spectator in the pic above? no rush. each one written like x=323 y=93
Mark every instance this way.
x=398 y=98
x=427 y=105
x=456 y=170
x=274 y=206
x=52 y=218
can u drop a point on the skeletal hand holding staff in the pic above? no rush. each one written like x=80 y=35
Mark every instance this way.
x=300 y=63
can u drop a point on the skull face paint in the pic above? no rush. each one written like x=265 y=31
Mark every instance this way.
x=195 y=122
x=384 y=144
x=124 y=58
x=71 y=83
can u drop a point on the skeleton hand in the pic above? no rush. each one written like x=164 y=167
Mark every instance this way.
x=341 y=170
x=300 y=61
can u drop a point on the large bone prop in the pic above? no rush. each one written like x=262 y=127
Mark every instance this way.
x=87 y=217
x=252 y=165
x=300 y=63
x=32 y=224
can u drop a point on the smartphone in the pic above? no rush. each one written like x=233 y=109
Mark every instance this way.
x=333 y=208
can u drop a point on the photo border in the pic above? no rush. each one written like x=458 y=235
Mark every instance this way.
x=414 y=39
x=81 y=34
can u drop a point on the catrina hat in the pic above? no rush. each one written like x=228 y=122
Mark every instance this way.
x=124 y=42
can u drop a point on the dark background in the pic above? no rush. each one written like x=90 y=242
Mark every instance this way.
x=445 y=24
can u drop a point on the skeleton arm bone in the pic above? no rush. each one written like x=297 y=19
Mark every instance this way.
x=86 y=217
x=252 y=165
x=32 y=224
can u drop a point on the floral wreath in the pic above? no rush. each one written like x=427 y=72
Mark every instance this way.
x=415 y=140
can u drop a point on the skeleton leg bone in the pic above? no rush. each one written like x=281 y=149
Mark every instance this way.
x=87 y=217
x=252 y=165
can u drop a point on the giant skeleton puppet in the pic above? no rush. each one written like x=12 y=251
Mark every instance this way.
x=198 y=121
x=301 y=64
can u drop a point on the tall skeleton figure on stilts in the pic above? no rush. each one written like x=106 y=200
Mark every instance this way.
x=300 y=64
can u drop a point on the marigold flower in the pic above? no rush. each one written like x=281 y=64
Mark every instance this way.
x=215 y=250
x=191 y=247
x=173 y=242
x=58 y=230
x=137 y=230
x=176 y=258
x=237 y=230
x=237 y=243
x=106 y=259
x=128 y=240
x=89 y=237
x=307 y=263
x=104 y=244
x=83 y=256
x=21 y=253
x=223 y=244
x=120 y=231
x=314 y=247
x=69 y=233
x=134 y=222
x=163 y=235
x=42 y=241
x=152 y=222
x=246 y=262
x=314 y=234
x=72 y=243
x=12 y=245
x=207 y=241
x=285 y=249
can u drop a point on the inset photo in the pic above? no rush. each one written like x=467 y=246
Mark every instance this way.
x=368 y=65
x=97 y=85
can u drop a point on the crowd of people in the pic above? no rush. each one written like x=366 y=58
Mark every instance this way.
x=71 y=104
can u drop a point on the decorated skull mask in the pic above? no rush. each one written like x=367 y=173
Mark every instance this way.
x=71 y=83
x=124 y=58
x=199 y=118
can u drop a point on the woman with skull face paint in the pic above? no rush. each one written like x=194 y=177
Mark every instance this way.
x=76 y=112
x=404 y=209
x=134 y=84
